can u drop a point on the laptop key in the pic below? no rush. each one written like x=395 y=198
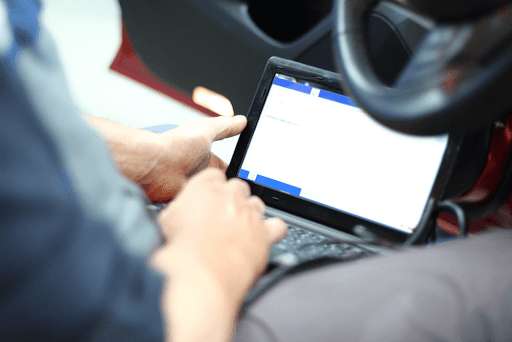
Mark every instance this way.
x=305 y=245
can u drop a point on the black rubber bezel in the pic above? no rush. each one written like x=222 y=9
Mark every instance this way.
x=310 y=210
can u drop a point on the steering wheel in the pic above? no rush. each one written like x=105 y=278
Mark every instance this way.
x=459 y=76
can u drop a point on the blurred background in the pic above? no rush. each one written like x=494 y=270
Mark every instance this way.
x=88 y=35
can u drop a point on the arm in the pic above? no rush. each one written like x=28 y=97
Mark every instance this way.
x=204 y=225
x=194 y=307
x=65 y=276
x=162 y=163
x=135 y=151
x=219 y=246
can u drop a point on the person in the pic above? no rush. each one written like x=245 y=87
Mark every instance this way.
x=82 y=258
x=81 y=255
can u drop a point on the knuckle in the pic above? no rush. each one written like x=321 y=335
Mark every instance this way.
x=276 y=228
x=240 y=184
x=257 y=203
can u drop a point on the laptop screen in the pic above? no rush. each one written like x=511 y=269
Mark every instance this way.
x=317 y=145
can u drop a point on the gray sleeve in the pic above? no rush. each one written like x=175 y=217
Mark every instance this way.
x=63 y=276
x=458 y=291
x=104 y=194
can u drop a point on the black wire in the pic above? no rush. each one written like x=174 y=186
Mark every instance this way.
x=281 y=272
x=444 y=206
x=262 y=286
x=459 y=214
x=276 y=275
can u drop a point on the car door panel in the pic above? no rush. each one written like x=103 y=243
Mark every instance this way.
x=214 y=44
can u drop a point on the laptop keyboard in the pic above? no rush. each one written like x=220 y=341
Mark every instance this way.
x=301 y=245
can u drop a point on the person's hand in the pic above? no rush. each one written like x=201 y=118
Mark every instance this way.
x=217 y=245
x=184 y=151
x=223 y=224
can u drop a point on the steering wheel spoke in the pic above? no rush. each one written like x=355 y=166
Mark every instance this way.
x=432 y=57
x=455 y=72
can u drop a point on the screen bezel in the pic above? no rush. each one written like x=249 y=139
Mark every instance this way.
x=300 y=206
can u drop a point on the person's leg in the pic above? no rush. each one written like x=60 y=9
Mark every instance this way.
x=457 y=291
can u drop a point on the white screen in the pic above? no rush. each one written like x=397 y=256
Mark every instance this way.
x=319 y=146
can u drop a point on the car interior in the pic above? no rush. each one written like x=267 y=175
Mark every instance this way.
x=418 y=67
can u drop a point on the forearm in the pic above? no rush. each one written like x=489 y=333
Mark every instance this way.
x=195 y=305
x=135 y=151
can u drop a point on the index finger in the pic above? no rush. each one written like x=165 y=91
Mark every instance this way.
x=226 y=127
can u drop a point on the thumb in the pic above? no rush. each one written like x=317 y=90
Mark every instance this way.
x=226 y=127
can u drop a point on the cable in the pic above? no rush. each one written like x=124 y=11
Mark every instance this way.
x=290 y=264
x=427 y=230
x=459 y=214
x=278 y=274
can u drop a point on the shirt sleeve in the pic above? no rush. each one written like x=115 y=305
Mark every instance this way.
x=63 y=275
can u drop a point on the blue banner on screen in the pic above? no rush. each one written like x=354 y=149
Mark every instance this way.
x=243 y=174
x=274 y=184
x=336 y=98
x=292 y=85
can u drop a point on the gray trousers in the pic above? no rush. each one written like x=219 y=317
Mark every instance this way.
x=457 y=291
